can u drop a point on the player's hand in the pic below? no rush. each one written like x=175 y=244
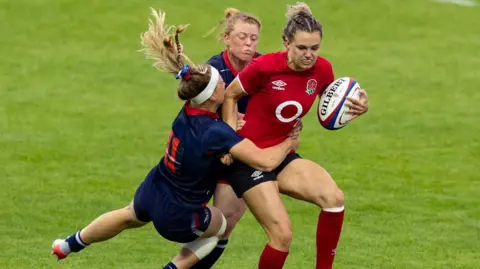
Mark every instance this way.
x=240 y=116
x=295 y=142
x=298 y=125
x=240 y=124
x=358 y=107
x=240 y=121
x=297 y=129
x=227 y=159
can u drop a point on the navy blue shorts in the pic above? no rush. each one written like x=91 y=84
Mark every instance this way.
x=173 y=222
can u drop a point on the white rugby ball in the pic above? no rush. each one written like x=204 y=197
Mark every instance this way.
x=331 y=109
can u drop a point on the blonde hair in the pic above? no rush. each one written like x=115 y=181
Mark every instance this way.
x=161 y=43
x=230 y=17
x=292 y=11
x=300 y=18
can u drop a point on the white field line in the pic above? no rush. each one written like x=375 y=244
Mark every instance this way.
x=469 y=3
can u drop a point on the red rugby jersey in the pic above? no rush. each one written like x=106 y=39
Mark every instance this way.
x=279 y=96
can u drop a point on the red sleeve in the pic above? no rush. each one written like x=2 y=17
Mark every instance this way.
x=253 y=77
x=327 y=75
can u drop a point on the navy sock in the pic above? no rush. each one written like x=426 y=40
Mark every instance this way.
x=170 y=265
x=75 y=243
x=212 y=258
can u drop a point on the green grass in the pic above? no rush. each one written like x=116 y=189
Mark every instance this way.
x=83 y=117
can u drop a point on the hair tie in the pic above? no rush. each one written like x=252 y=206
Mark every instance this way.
x=184 y=73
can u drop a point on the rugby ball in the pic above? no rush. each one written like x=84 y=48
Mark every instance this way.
x=332 y=113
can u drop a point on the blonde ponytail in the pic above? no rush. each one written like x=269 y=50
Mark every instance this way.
x=162 y=44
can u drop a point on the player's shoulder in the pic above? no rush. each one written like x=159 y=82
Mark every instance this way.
x=323 y=63
x=324 y=69
x=269 y=62
x=218 y=126
x=195 y=118
x=216 y=61
x=217 y=131
x=271 y=57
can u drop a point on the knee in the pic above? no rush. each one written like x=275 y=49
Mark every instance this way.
x=339 y=198
x=129 y=217
x=281 y=235
x=334 y=198
x=330 y=199
x=231 y=223
x=128 y=213
x=232 y=216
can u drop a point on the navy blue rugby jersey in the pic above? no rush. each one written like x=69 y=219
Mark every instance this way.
x=222 y=63
x=190 y=167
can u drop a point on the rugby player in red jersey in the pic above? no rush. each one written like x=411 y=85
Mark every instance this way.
x=282 y=87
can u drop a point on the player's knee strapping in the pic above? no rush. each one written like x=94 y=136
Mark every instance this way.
x=201 y=247
x=223 y=228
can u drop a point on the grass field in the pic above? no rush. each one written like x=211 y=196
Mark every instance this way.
x=83 y=117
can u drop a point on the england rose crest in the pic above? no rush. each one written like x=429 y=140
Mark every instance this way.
x=311 y=86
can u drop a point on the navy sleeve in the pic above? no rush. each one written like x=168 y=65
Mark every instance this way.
x=215 y=61
x=220 y=137
x=212 y=62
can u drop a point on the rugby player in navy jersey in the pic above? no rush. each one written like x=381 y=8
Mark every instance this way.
x=240 y=36
x=175 y=192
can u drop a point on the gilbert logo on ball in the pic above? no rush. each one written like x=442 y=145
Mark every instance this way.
x=332 y=113
x=311 y=86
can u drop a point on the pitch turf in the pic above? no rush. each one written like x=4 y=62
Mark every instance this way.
x=83 y=117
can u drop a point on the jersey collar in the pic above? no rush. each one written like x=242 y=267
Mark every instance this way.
x=193 y=111
x=229 y=64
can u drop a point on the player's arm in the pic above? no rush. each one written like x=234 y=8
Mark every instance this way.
x=223 y=139
x=252 y=78
x=229 y=108
x=263 y=159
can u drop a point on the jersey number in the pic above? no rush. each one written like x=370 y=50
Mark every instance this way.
x=278 y=111
x=173 y=153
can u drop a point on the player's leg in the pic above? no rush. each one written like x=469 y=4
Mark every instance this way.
x=306 y=180
x=102 y=228
x=259 y=190
x=231 y=206
x=114 y=222
x=210 y=225
x=110 y=224
x=233 y=209
x=265 y=203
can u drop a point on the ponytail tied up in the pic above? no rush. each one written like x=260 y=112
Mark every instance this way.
x=184 y=73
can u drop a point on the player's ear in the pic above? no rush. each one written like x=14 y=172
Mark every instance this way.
x=226 y=39
x=213 y=98
x=286 y=43
x=219 y=92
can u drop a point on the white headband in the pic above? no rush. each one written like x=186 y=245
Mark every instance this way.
x=208 y=91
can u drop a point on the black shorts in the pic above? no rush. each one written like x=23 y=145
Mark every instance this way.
x=242 y=177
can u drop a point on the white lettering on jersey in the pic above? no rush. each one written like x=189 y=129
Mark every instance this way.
x=278 y=111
